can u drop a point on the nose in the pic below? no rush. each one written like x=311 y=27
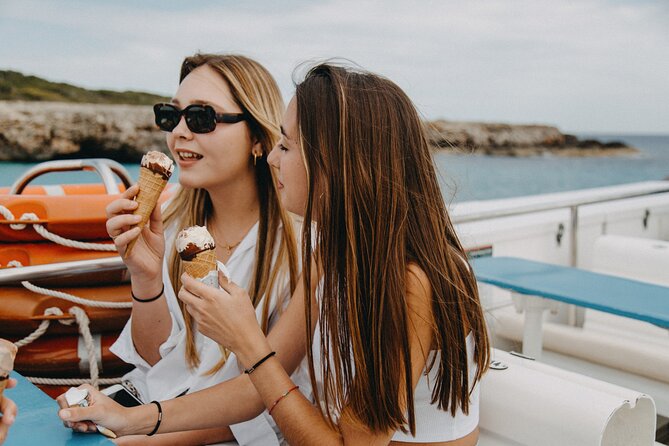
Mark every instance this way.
x=182 y=130
x=273 y=157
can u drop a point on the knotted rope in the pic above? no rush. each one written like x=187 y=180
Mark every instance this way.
x=29 y=217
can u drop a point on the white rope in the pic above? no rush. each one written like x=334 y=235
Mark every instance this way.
x=74 y=299
x=42 y=327
x=85 y=331
x=72 y=381
x=41 y=230
x=83 y=322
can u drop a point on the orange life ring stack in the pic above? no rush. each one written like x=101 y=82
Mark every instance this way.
x=55 y=257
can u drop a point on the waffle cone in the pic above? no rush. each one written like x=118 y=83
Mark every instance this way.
x=151 y=185
x=203 y=263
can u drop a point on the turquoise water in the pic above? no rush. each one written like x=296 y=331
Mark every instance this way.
x=469 y=177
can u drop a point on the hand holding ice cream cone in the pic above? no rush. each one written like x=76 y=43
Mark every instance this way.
x=154 y=173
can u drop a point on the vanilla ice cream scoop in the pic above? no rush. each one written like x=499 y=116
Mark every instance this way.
x=159 y=163
x=193 y=240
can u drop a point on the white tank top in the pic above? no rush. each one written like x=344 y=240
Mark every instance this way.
x=434 y=425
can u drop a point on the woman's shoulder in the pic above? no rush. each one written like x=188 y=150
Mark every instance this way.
x=417 y=279
x=418 y=289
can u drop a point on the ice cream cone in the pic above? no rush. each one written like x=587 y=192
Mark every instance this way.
x=7 y=355
x=197 y=250
x=203 y=263
x=154 y=174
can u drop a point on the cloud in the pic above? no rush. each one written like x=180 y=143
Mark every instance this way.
x=585 y=66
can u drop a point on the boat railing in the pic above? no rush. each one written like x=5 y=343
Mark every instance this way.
x=107 y=169
x=571 y=203
x=13 y=276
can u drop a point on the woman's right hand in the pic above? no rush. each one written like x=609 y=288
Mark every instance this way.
x=101 y=410
x=145 y=259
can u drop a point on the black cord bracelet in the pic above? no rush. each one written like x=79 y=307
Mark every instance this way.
x=150 y=299
x=257 y=364
x=160 y=418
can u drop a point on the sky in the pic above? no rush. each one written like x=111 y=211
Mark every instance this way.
x=586 y=66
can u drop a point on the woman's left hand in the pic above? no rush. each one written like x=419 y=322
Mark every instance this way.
x=225 y=315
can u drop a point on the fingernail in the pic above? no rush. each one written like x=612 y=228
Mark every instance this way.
x=65 y=414
x=10 y=419
x=137 y=218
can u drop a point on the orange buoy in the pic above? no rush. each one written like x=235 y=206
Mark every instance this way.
x=22 y=310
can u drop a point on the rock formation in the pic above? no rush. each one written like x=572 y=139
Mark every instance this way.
x=516 y=140
x=36 y=131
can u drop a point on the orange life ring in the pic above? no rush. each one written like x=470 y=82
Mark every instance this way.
x=65 y=356
x=21 y=310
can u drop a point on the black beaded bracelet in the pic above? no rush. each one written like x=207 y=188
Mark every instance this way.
x=257 y=364
x=150 y=299
x=160 y=418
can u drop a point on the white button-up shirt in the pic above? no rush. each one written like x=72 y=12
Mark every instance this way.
x=171 y=376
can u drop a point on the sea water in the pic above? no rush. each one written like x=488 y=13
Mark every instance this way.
x=474 y=177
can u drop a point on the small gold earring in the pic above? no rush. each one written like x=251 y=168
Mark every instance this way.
x=255 y=158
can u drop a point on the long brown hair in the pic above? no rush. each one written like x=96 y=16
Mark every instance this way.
x=374 y=195
x=256 y=92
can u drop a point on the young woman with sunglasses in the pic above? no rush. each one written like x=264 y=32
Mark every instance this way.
x=220 y=126
x=387 y=303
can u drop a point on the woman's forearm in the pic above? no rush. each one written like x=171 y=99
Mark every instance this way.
x=227 y=403
x=187 y=438
x=151 y=322
x=299 y=420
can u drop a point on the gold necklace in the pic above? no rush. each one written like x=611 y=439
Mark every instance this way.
x=229 y=248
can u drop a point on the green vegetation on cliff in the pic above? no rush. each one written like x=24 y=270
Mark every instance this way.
x=16 y=86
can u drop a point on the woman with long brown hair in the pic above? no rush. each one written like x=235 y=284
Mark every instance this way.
x=220 y=126
x=388 y=305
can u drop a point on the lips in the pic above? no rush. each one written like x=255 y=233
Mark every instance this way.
x=188 y=156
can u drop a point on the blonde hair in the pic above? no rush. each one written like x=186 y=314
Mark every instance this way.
x=256 y=92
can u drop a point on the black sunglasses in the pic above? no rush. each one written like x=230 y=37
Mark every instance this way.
x=199 y=118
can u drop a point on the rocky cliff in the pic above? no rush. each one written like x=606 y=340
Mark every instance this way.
x=516 y=140
x=35 y=131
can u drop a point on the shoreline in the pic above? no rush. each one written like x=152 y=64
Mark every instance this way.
x=41 y=131
x=538 y=151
